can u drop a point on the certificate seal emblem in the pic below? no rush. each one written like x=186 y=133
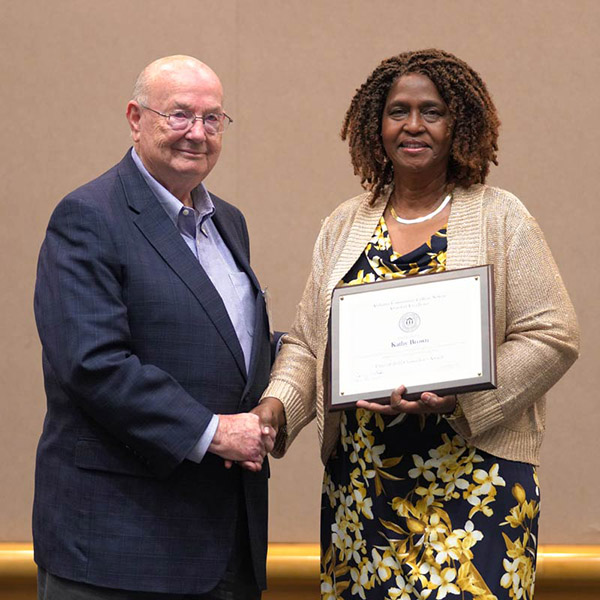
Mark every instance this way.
x=409 y=322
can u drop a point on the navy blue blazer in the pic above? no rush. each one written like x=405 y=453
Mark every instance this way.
x=138 y=354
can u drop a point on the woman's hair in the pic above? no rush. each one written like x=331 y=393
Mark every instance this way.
x=474 y=118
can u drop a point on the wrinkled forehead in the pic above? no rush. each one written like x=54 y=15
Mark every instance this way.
x=183 y=80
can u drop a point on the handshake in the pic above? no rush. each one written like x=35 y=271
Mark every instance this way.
x=246 y=438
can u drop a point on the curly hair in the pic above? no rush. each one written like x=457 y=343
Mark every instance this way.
x=474 y=117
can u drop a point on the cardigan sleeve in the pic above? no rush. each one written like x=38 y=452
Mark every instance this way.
x=293 y=378
x=541 y=337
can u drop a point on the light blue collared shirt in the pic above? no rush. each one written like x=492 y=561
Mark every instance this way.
x=233 y=285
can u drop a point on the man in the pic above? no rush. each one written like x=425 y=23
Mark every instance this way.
x=155 y=348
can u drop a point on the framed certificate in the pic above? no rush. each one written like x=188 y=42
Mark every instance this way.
x=430 y=333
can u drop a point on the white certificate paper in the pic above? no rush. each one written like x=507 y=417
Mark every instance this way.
x=429 y=333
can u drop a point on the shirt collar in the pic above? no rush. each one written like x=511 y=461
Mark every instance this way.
x=201 y=199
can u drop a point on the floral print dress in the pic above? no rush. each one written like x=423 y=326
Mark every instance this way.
x=410 y=510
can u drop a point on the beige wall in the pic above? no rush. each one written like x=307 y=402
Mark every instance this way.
x=289 y=70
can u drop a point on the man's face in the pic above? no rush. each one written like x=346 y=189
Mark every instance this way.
x=179 y=160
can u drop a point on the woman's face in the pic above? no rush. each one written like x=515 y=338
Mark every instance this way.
x=416 y=127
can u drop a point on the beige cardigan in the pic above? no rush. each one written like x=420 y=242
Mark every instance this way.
x=537 y=335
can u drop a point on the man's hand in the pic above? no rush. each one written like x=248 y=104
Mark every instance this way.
x=242 y=438
x=272 y=416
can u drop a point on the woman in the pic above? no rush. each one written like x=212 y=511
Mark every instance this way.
x=439 y=496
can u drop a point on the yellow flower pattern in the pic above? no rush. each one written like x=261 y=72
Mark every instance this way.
x=410 y=510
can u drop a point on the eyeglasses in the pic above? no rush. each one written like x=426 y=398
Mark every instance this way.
x=183 y=120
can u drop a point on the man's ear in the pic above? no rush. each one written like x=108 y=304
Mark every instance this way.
x=134 y=114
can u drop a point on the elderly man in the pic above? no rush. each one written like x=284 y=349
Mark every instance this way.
x=150 y=480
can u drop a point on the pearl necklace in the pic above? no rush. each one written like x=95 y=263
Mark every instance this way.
x=437 y=211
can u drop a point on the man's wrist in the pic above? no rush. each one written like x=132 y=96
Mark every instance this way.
x=204 y=443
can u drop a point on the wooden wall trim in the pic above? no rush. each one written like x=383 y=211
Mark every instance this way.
x=565 y=567
x=16 y=561
x=558 y=565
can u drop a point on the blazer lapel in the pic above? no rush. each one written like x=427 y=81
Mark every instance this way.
x=232 y=240
x=158 y=229
x=260 y=343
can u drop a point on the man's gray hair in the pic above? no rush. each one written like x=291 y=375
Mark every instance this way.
x=140 y=88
